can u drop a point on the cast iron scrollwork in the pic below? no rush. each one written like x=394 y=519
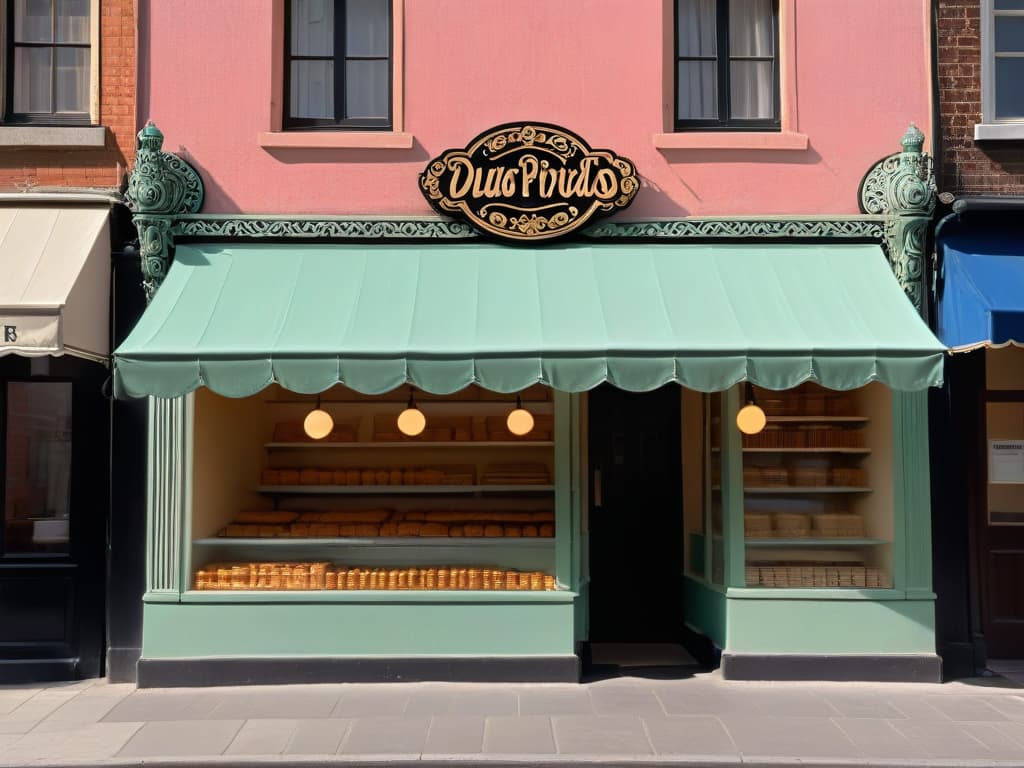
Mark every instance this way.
x=162 y=186
x=902 y=186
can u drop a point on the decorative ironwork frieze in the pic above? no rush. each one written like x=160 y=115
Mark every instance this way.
x=332 y=229
x=901 y=187
x=813 y=229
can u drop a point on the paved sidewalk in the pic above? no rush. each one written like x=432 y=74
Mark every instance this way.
x=699 y=720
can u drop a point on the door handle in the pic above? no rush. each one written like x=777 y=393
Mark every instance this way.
x=597 y=488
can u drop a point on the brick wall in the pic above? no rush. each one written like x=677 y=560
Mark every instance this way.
x=969 y=168
x=100 y=167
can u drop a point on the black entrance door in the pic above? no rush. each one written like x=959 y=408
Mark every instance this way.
x=636 y=518
x=54 y=486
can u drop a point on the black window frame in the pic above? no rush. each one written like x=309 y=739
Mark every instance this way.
x=340 y=57
x=42 y=118
x=723 y=58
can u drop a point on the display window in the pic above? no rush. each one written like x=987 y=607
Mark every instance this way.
x=348 y=492
x=815 y=487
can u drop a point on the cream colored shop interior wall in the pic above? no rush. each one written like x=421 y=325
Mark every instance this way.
x=1004 y=368
x=227 y=452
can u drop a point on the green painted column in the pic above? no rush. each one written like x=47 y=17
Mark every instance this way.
x=564 y=426
x=912 y=497
x=168 y=497
x=732 y=490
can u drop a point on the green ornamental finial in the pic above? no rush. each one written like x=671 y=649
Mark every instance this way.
x=150 y=137
x=913 y=140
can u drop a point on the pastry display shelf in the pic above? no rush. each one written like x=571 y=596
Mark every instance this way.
x=802 y=489
x=396 y=490
x=828 y=542
x=412 y=444
x=378 y=541
x=851 y=451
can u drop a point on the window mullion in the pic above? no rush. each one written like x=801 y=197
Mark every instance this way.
x=340 y=61
x=53 y=57
x=722 y=41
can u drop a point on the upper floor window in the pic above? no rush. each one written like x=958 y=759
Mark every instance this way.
x=338 y=64
x=1004 y=60
x=727 y=65
x=48 y=61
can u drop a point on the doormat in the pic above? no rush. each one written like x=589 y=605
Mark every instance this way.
x=1011 y=669
x=640 y=655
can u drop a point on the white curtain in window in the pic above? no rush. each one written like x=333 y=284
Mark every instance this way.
x=312 y=82
x=751 y=83
x=697 y=96
x=32 y=79
x=72 y=84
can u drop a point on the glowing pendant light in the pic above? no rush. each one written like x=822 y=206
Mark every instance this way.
x=411 y=421
x=520 y=420
x=751 y=419
x=318 y=422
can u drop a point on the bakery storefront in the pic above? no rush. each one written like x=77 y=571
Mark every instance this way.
x=410 y=449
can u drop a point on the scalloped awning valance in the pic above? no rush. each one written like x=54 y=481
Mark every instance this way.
x=236 y=318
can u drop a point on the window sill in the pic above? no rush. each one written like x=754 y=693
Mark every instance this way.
x=70 y=137
x=334 y=140
x=731 y=140
x=999 y=131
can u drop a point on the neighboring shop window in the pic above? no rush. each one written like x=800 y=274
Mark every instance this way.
x=1003 y=61
x=702 y=485
x=48 y=61
x=338 y=64
x=727 y=65
x=37 y=475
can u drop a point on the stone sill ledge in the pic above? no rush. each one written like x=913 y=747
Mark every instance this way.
x=786 y=140
x=334 y=140
x=52 y=137
x=999 y=131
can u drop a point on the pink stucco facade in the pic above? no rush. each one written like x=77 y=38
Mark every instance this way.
x=854 y=74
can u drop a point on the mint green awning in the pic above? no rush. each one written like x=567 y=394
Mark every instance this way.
x=238 y=317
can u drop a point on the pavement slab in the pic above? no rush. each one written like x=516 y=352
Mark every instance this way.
x=386 y=736
x=166 y=704
x=689 y=735
x=939 y=740
x=262 y=737
x=560 y=701
x=998 y=742
x=371 y=701
x=623 y=700
x=601 y=735
x=455 y=735
x=88 y=742
x=806 y=737
x=877 y=739
x=300 y=704
x=182 y=738
x=484 y=701
x=527 y=734
x=317 y=737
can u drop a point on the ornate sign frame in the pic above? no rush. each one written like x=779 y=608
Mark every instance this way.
x=529 y=181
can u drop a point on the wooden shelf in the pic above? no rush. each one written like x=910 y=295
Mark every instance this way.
x=413 y=444
x=378 y=541
x=398 y=490
x=856 y=451
x=819 y=419
x=808 y=489
x=814 y=542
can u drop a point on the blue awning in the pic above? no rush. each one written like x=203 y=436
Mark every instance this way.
x=981 y=295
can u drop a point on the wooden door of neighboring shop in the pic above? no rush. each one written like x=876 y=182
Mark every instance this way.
x=636 y=520
x=1000 y=531
x=54 y=491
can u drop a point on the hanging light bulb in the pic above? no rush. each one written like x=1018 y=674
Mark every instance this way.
x=411 y=421
x=751 y=419
x=318 y=422
x=520 y=420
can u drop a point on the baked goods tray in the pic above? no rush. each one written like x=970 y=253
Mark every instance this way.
x=391 y=490
x=381 y=541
